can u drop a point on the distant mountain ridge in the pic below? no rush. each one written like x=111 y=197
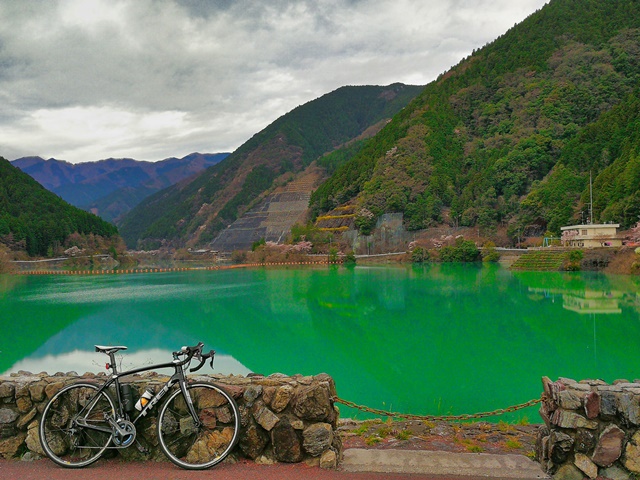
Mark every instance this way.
x=111 y=187
x=194 y=212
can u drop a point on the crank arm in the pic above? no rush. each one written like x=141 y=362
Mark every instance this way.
x=121 y=431
x=83 y=423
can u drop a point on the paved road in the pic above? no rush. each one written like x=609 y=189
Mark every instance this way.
x=116 y=470
x=119 y=470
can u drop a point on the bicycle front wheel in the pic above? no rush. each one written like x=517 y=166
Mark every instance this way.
x=202 y=444
x=74 y=431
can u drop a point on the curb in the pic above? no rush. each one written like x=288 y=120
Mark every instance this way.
x=441 y=463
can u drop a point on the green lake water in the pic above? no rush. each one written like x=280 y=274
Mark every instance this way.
x=438 y=339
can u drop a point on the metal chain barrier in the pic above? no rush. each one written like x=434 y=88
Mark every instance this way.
x=405 y=416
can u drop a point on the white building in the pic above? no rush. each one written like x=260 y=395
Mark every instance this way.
x=591 y=235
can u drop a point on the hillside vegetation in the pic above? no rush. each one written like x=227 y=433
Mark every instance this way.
x=510 y=135
x=38 y=221
x=193 y=212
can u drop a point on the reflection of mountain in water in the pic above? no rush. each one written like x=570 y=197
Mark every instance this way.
x=434 y=339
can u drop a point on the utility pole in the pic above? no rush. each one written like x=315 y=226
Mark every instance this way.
x=590 y=199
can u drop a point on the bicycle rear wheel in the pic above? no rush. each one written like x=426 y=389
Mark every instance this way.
x=198 y=447
x=73 y=428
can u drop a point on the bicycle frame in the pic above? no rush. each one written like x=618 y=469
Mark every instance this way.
x=178 y=377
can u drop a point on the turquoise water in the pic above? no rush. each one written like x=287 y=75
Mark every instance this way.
x=437 y=339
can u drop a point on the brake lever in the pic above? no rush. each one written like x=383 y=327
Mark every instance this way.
x=210 y=355
x=195 y=369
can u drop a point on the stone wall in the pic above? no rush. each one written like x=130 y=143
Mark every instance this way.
x=592 y=429
x=285 y=419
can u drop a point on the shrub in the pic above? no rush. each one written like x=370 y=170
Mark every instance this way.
x=350 y=259
x=238 y=256
x=572 y=261
x=489 y=253
x=462 y=251
x=257 y=244
x=419 y=255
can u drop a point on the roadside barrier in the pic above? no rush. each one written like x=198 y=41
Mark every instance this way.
x=173 y=269
x=406 y=416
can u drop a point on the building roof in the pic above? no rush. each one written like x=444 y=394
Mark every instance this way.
x=591 y=225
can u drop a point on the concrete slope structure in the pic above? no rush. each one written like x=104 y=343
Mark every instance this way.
x=273 y=217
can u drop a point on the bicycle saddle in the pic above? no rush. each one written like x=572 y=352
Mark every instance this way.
x=109 y=349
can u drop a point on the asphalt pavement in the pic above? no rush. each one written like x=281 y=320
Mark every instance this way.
x=358 y=464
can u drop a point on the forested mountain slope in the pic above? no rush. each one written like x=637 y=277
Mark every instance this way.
x=34 y=219
x=112 y=187
x=192 y=212
x=509 y=135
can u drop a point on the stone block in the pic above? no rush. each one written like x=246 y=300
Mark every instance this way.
x=568 y=472
x=567 y=419
x=629 y=406
x=615 y=473
x=267 y=394
x=314 y=403
x=329 y=460
x=609 y=403
x=9 y=447
x=22 y=390
x=317 y=438
x=609 y=447
x=7 y=416
x=585 y=464
x=585 y=440
x=592 y=405
x=252 y=393
x=569 y=400
x=24 y=404
x=253 y=440
x=25 y=419
x=560 y=445
x=632 y=454
x=36 y=390
x=282 y=398
x=287 y=446
x=266 y=418
x=33 y=439
x=51 y=389
x=7 y=390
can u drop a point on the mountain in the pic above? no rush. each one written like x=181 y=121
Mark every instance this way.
x=112 y=187
x=194 y=211
x=508 y=137
x=34 y=219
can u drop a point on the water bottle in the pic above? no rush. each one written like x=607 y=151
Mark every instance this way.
x=144 y=399
x=126 y=394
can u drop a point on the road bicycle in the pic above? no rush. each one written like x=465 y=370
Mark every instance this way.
x=197 y=426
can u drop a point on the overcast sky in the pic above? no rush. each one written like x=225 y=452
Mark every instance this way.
x=83 y=80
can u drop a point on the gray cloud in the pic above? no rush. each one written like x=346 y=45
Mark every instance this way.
x=87 y=79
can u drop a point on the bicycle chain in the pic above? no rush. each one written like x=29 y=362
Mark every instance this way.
x=406 y=416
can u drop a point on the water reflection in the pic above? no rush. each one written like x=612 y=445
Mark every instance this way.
x=80 y=361
x=587 y=301
x=432 y=339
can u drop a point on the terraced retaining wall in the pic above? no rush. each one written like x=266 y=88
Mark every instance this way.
x=592 y=429
x=285 y=419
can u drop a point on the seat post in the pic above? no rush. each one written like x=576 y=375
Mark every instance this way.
x=112 y=362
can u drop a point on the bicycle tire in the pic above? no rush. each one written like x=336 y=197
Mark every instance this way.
x=63 y=440
x=199 y=448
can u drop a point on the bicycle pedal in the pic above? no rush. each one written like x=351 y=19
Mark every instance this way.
x=142 y=449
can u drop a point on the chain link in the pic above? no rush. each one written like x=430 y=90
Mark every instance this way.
x=406 y=416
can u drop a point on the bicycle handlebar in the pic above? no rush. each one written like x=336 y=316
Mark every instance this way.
x=195 y=351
